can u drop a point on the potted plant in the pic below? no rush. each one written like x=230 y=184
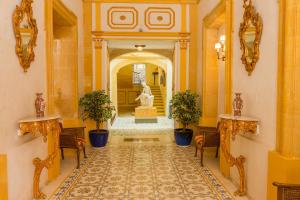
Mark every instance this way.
x=97 y=106
x=185 y=110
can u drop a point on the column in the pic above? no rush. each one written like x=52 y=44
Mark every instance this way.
x=284 y=162
x=183 y=64
x=88 y=49
x=97 y=72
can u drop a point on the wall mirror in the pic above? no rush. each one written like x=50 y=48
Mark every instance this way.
x=25 y=29
x=250 y=36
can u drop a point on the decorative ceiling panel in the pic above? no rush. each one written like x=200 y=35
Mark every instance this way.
x=139 y=17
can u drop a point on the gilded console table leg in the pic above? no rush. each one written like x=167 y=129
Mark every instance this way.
x=39 y=166
x=43 y=127
x=226 y=129
x=51 y=127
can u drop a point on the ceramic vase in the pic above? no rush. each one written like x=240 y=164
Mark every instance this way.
x=39 y=105
x=238 y=105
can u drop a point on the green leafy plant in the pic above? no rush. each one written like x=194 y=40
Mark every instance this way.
x=186 y=108
x=96 y=106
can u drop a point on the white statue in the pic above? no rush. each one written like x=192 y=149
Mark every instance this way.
x=146 y=96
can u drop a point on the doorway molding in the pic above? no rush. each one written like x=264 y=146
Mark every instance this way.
x=220 y=15
x=71 y=20
x=101 y=55
x=116 y=64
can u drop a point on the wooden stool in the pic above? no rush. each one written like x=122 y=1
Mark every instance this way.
x=207 y=137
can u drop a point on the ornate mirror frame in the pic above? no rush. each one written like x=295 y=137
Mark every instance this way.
x=25 y=9
x=250 y=15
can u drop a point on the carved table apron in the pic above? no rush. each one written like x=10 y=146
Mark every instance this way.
x=43 y=126
x=231 y=126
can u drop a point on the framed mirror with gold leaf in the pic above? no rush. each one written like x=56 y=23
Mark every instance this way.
x=250 y=36
x=25 y=29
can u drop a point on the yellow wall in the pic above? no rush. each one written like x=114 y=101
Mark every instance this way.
x=65 y=76
x=284 y=162
x=257 y=102
x=88 y=49
x=18 y=94
x=127 y=92
x=125 y=77
x=150 y=68
x=259 y=95
x=193 y=75
x=210 y=79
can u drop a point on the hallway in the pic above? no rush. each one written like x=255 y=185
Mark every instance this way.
x=143 y=169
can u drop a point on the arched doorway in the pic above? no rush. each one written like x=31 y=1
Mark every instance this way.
x=153 y=63
x=129 y=80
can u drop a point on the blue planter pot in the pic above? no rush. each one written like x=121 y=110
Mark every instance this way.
x=183 y=138
x=98 y=139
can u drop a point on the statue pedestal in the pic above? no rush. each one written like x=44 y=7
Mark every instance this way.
x=145 y=114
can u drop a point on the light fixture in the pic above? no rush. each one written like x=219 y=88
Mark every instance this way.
x=140 y=47
x=220 y=47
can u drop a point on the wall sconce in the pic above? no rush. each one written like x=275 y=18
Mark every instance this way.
x=140 y=47
x=220 y=47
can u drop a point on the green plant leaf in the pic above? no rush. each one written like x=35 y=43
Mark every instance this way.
x=186 y=108
x=96 y=106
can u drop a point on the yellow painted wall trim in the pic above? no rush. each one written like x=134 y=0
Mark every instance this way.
x=88 y=52
x=147 y=1
x=284 y=162
x=98 y=73
x=193 y=75
x=141 y=34
x=183 y=17
x=229 y=58
x=71 y=18
x=98 y=16
x=283 y=170
x=220 y=15
x=183 y=66
x=216 y=15
x=65 y=12
x=3 y=178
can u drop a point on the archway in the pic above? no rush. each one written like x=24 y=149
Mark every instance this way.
x=136 y=58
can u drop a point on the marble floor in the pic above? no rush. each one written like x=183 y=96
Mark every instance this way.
x=141 y=167
x=127 y=126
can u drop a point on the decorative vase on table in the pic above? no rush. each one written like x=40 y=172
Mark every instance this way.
x=39 y=105
x=238 y=105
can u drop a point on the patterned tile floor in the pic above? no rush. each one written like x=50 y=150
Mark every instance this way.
x=141 y=171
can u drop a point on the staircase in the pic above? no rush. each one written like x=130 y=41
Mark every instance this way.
x=158 y=100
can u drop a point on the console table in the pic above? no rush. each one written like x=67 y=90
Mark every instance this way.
x=44 y=126
x=230 y=126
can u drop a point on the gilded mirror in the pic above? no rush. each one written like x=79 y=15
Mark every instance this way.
x=250 y=36
x=25 y=29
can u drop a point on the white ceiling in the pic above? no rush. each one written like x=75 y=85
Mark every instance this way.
x=150 y=44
